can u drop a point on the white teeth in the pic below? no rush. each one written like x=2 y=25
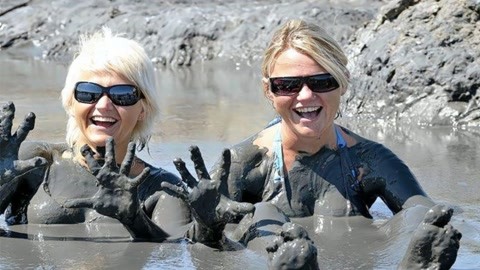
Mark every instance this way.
x=307 y=109
x=103 y=119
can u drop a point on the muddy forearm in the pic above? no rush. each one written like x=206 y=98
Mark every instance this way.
x=143 y=228
x=212 y=237
x=18 y=193
x=390 y=178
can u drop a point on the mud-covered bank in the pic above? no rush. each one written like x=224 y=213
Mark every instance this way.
x=418 y=62
x=175 y=33
x=412 y=61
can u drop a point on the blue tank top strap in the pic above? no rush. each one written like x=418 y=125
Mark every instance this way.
x=274 y=121
x=277 y=150
x=347 y=165
x=340 y=140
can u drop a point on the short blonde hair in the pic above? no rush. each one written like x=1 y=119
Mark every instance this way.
x=312 y=40
x=106 y=53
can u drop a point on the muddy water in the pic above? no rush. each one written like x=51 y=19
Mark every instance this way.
x=214 y=106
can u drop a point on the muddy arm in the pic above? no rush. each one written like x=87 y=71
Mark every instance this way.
x=435 y=242
x=389 y=178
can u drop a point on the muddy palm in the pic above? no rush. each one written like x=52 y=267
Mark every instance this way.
x=211 y=210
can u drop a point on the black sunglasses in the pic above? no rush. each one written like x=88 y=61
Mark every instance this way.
x=289 y=86
x=120 y=94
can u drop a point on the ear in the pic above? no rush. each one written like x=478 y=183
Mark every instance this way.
x=266 y=89
x=141 y=116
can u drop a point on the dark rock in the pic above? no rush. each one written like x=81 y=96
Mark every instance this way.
x=175 y=33
x=418 y=63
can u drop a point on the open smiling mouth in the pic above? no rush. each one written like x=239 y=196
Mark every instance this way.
x=309 y=112
x=103 y=121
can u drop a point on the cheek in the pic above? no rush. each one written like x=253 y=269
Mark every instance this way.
x=80 y=112
x=130 y=116
x=132 y=119
x=282 y=103
x=333 y=99
x=334 y=102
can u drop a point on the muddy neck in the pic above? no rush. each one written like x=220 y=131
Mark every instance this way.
x=292 y=142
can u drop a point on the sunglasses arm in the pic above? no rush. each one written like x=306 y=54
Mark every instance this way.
x=266 y=86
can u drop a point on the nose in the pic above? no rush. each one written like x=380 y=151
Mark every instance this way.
x=305 y=92
x=104 y=102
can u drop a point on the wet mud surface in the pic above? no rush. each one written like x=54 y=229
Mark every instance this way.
x=443 y=159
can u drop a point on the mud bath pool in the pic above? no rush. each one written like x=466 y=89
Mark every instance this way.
x=214 y=106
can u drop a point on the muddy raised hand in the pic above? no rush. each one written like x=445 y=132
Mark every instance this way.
x=117 y=193
x=435 y=242
x=117 y=196
x=211 y=210
x=10 y=166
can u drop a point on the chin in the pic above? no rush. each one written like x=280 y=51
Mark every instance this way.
x=310 y=132
x=99 y=140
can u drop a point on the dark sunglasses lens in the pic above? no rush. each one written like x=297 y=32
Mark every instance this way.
x=124 y=95
x=285 y=86
x=87 y=92
x=322 y=83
